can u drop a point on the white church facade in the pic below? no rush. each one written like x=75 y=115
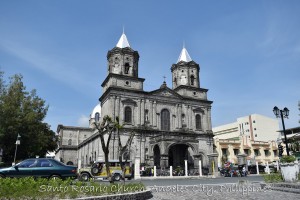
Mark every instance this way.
x=170 y=124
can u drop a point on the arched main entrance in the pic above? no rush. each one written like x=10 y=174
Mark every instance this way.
x=178 y=153
x=156 y=156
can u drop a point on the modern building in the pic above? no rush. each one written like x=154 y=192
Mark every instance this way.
x=170 y=124
x=256 y=127
x=254 y=136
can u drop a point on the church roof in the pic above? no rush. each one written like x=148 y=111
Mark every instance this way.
x=184 y=56
x=123 y=42
x=97 y=109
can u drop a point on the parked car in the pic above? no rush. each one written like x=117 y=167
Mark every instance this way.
x=40 y=167
x=98 y=170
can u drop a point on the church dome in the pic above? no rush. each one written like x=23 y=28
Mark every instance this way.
x=96 y=110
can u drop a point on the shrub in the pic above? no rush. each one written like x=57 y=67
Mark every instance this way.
x=30 y=188
x=287 y=159
x=273 y=178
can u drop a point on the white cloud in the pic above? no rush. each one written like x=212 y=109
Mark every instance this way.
x=83 y=121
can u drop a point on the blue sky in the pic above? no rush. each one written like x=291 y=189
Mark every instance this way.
x=248 y=51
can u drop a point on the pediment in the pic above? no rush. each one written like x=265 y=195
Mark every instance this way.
x=198 y=110
x=166 y=92
x=129 y=102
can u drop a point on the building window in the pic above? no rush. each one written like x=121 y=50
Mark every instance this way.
x=146 y=115
x=256 y=152
x=247 y=152
x=97 y=117
x=236 y=152
x=224 y=152
x=253 y=121
x=165 y=120
x=198 y=122
x=255 y=129
x=255 y=135
x=128 y=115
x=70 y=142
x=267 y=153
x=183 y=120
x=275 y=152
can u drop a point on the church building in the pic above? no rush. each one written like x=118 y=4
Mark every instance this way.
x=171 y=124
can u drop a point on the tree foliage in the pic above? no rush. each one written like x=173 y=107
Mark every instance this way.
x=23 y=113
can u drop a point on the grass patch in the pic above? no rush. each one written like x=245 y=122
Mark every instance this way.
x=30 y=188
x=273 y=178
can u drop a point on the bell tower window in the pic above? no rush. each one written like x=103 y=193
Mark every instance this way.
x=192 y=79
x=127 y=68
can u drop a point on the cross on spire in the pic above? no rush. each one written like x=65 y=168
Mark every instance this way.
x=164 y=78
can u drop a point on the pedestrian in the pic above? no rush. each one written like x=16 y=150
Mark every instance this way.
x=244 y=171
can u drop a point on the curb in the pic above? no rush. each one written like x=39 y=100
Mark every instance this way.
x=142 y=195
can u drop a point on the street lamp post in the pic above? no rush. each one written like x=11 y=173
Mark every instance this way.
x=17 y=143
x=282 y=114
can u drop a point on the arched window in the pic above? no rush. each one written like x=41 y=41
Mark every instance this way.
x=97 y=117
x=192 y=79
x=70 y=142
x=198 y=122
x=126 y=68
x=165 y=120
x=128 y=115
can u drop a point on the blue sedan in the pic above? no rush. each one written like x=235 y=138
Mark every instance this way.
x=40 y=167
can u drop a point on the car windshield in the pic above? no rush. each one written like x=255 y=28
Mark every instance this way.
x=26 y=163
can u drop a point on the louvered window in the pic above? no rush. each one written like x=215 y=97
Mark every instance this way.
x=128 y=115
x=198 y=122
x=165 y=120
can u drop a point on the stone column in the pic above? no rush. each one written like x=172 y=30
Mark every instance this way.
x=191 y=116
x=151 y=113
x=113 y=102
x=164 y=160
x=117 y=114
x=142 y=111
x=209 y=118
x=154 y=114
x=137 y=175
x=187 y=117
x=139 y=112
x=179 y=116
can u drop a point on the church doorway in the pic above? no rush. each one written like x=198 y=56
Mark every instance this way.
x=178 y=153
x=156 y=156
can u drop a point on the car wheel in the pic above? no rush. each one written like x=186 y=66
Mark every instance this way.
x=117 y=177
x=2 y=176
x=85 y=177
x=54 y=177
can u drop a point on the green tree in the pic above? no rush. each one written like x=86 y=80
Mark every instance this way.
x=23 y=112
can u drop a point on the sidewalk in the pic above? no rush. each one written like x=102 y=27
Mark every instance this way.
x=284 y=187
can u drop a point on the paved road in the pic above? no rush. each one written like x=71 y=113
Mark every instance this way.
x=215 y=188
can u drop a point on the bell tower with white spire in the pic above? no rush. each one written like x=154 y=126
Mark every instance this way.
x=185 y=77
x=123 y=66
x=185 y=72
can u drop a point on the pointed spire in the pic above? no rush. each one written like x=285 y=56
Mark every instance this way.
x=123 y=42
x=184 y=55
